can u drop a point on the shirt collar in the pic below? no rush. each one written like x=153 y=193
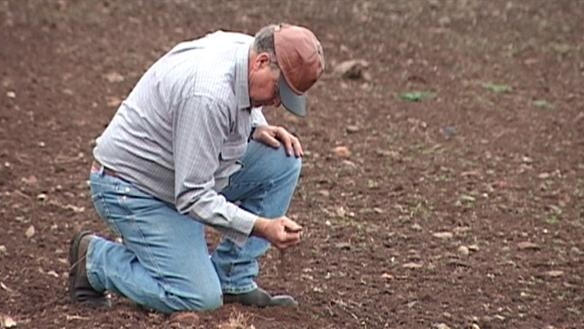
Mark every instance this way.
x=241 y=82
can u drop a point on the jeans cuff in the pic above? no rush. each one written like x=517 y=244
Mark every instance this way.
x=91 y=277
x=236 y=290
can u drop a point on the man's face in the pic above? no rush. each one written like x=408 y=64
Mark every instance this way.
x=263 y=81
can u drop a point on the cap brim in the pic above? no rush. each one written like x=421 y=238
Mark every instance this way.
x=290 y=100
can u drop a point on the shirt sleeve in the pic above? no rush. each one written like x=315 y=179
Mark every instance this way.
x=200 y=127
x=257 y=117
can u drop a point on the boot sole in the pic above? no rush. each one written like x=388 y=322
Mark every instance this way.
x=260 y=298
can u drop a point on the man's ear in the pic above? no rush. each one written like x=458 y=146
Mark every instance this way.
x=262 y=59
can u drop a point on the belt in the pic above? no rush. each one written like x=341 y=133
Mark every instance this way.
x=98 y=167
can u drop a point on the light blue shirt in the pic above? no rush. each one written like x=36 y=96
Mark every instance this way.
x=181 y=131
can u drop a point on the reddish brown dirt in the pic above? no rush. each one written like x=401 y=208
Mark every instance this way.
x=465 y=209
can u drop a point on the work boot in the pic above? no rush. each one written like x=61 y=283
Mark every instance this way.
x=261 y=298
x=79 y=288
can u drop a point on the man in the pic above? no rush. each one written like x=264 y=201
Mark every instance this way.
x=178 y=155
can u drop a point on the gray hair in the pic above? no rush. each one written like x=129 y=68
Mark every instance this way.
x=264 y=42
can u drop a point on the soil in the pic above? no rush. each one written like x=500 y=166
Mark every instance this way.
x=461 y=206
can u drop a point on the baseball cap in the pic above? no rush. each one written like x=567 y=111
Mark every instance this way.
x=301 y=61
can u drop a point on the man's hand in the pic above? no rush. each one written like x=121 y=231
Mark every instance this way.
x=281 y=232
x=274 y=136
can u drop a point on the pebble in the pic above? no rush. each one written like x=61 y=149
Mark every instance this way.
x=463 y=250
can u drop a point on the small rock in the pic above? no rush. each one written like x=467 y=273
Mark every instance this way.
x=113 y=101
x=6 y=321
x=466 y=199
x=113 y=77
x=343 y=246
x=42 y=197
x=471 y=173
x=378 y=210
x=75 y=209
x=352 y=129
x=527 y=245
x=530 y=61
x=11 y=94
x=461 y=230
x=184 y=319
x=324 y=193
x=444 y=21
x=340 y=212
x=342 y=151
x=30 y=180
x=554 y=274
x=5 y=287
x=30 y=232
x=387 y=153
x=416 y=227
x=3 y=250
x=443 y=235
x=387 y=276
x=352 y=69
x=412 y=265
x=75 y=317
x=448 y=132
x=463 y=250
x=441 y=326
x=473 y=247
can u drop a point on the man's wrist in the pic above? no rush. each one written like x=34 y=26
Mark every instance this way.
x=259 y=227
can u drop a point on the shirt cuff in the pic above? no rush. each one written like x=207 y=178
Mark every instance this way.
x=242 y=225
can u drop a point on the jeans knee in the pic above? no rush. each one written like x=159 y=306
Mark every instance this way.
x=210 y=301
x=291 y=165
x=205 y=301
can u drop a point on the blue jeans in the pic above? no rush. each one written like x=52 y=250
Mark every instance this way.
x=164 y=262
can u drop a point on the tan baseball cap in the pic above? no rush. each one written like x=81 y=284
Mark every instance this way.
x=301 y=61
